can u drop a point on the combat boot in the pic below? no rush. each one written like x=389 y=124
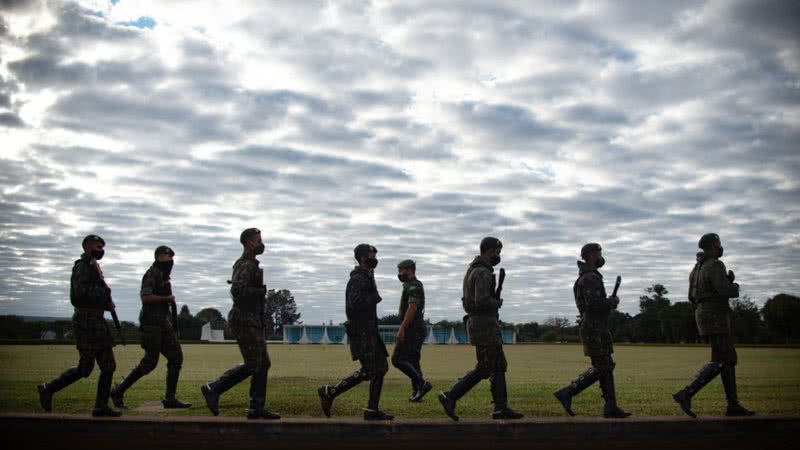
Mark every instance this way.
x=506 y=414
x=424 y=389
x=101 y=408
x=500 y=399
x=462 y=386
x=47 y=390
x=212 y=398
x=258 y=411
x=704 y=376
x=584 y=380
x=327 y=394
x=411 y=372
x=373 y=412
x=170 y=402
x=45 y=397
x=610 y=409
x=728 y=375
x=376 y=414
x=105 y=411
x=118 y=393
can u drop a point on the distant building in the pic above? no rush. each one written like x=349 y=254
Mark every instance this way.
x=47 y=335
x=211 y=335
x=335 y=334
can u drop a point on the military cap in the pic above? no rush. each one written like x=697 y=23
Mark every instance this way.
x=247 y=234
x=407 y=264
x=490 y=242
x=589 y=248
x=362 y=250
x=164 y=250
x=92 y=238
x=707 y=239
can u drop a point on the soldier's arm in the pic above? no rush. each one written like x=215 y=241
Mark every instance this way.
x=594 y=293
x=359 y=295
x=484 y=291
x=720 y=282
x=146 y=293
x=414 y=299
x=241 y=282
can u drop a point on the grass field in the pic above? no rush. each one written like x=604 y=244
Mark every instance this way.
x=769 y=380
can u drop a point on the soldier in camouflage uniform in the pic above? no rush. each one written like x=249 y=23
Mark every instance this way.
x=481 y=304
x=411 y=335
x=710 y=287
x=159 y=335
x=366 y=345
x=247 y=321
x=594 y=308
x=91 y=296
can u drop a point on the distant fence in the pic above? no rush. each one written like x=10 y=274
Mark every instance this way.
x=335 y=334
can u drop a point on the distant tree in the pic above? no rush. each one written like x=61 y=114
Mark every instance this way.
x=619 y=324
x=459 y=324
x=281 y=310
x=557 y=322
x=527 y=332
x=746 y=320
x=782 y=316
x=678 y=323
x=391 y=319
x=211 y=315
x=653 y=309
x=189 y=326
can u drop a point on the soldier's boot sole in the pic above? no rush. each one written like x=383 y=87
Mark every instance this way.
x=174 y=403
x=507 y=414
x=616 y=413
x=105 y=412
x=212 y=399
x=370 y=414
x=738 y=410
x=449 y=406
x=118 y=398
x=45 y=397
x=565 y=398
x=262 y=414
x=325 y=400
x=420 y=394
x=683 y=400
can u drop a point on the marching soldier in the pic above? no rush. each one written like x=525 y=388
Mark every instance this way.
x=159 y=335
x=482 y=304
x=91 y=296
x=366 y=345
x=710 y=287
x=411 y=335
x=594 y=308
x=247 y=323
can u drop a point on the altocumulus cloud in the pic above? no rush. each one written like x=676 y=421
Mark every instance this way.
x=417 y=126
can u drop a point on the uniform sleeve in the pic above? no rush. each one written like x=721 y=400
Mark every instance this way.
x=720 y=282
x=594 y=294
x=241 y=281
x=147 y=285
x=415 y=294
x=484 y=291
x=360 y=295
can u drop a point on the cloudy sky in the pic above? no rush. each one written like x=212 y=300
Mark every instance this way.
x=419 y=127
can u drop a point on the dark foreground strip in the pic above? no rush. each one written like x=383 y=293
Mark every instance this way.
x=49 y=431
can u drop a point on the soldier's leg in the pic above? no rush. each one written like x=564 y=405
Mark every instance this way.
x=706 y=374
x=723 y=352
x=171 y=349
x=69 y=376
x=107 y=366
x=258 y=383
x=376 y=370
x=578 y=385
x=605 y=366
x=401 y=359
x=414 y=355
x=483 y=370
x=233 y=376
x=499 y=389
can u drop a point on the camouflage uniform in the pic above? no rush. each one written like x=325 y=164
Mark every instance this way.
x=709 y=289
x=483 y=326
x=406 y=355
x=90 y=295
x=158 y=336
x=247 y=322
x=594 y=307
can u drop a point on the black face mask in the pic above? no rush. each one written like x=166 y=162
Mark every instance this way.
x=165 y=267
x=601 y=262
x=495 y=260
x=372 y=263
x=98 y=254
x=720 y=251
x=402 y=277
x=260 y=249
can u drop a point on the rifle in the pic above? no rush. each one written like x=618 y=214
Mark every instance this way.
x=173 y=310
x=111 y=309
x=500 y=279
x=616 y=286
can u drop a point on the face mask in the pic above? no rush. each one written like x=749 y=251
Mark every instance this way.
x=601 y=262
x=98 y=254
x=495 y=260
x=165 y=266
x=260 y=249
x=402 y=277
x=720 y=251
x=372 y=263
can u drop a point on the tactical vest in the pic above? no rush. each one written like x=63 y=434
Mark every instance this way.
x=94 y=296
x=468 y=301
x=154 y=314
x=363 y=318
x=253 y=304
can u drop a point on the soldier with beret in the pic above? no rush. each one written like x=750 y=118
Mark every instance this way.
x=482 y=306
x=411 y=335
x=91 y=297
x=366 y=345
x=710 y=288
x=594 y=308
x=159 y=334
x=247 y=321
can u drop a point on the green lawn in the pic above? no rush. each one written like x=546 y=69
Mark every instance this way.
x=769 y=380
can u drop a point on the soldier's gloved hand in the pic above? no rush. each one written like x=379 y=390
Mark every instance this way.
x=499 y=302
x=731 y=276
x=110 y=306
x=614 y=301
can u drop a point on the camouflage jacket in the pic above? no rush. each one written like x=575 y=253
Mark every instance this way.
x=361 y=307
x=248 y=293
x=710 y=289
x=594 y=307
x=413 y=293
x=480 y=303
x=88 y=289
x=155 y=314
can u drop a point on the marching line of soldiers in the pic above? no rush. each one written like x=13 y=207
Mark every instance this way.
x=710 y=288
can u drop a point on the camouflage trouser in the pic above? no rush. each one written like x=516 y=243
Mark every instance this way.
x=410 y=350
x=722 y=349
x=374 y=365
x=368 y=348
x=160 y=340
x=94 y=343
x=253 y=347
x=491 y=358
x=603 y=362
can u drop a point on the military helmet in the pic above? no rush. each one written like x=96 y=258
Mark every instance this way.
x=590 y=248
x=490 y=242
x=407 y=264
x=707 y=239
x=163 y=250
x=247 y=234
x=361 y=250
x=92 y=238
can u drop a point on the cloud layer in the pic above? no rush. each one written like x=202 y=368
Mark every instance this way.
x=419 y=127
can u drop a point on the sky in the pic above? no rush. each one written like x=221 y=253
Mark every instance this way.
x=418 y=127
